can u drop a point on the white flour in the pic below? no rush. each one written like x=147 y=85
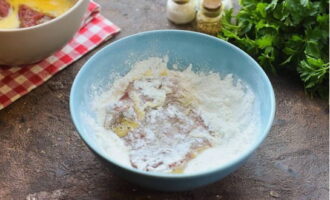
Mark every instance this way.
x=226 y=105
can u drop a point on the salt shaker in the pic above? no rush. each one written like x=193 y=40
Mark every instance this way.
x=208 y=18
x=181 y=11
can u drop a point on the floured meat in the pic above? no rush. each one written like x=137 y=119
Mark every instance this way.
x=158 y=123
x=168 y=118
x=30 y=17
x=4 y=8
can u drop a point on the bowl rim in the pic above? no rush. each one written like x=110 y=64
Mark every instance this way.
x=243 y=156
x=74 y=7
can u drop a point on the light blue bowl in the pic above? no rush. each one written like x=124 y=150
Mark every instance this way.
x=205 y=53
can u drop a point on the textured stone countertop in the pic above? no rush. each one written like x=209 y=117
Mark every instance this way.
x=42 y=156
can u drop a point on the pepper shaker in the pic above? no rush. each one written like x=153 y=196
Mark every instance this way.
x=208 y=18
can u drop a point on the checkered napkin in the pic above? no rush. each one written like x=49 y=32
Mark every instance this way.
x=18 y=81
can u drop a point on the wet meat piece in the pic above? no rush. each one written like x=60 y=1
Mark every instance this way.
x=4 y=8
x=30 y=17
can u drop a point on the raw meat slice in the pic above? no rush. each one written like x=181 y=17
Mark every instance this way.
x=4 y=8
x=30 y=17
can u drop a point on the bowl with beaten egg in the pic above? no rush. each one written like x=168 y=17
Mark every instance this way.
x=172 y=110
x=32 y=30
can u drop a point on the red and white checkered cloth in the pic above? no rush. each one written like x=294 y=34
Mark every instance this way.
x=18 y=81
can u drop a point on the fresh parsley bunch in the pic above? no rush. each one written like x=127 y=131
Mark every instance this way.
x=284 y=34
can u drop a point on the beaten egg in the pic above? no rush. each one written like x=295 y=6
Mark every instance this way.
x=52 y=8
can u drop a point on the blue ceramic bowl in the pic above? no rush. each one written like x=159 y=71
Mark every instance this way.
x=184 y=47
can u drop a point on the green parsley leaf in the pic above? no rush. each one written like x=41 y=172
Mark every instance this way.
x=284 y=34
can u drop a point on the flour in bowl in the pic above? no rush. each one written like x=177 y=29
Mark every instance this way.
x=162 y=120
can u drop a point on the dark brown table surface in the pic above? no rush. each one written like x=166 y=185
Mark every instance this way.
x=42 y=156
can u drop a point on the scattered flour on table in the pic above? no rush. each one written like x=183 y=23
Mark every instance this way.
x=226 y=106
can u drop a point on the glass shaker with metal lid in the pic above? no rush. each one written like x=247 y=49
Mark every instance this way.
x=181 y=11
x=208 y=18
